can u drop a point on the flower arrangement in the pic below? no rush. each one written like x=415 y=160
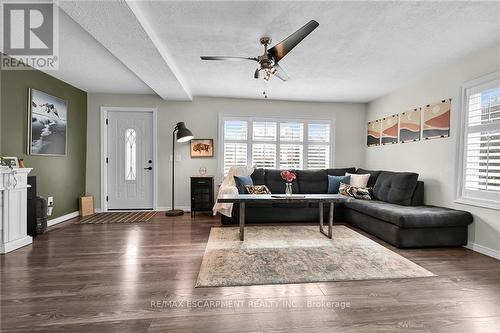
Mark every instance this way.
x=288 y=176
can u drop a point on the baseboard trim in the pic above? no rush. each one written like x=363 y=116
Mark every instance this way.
x=63 y=218
x=483 y=250
x=16 y=244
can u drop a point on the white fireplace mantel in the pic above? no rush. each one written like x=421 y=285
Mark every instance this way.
x=13 y=202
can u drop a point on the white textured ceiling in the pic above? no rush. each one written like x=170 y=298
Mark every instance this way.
x=86 y=64
x=118 y=28
x=360 y=51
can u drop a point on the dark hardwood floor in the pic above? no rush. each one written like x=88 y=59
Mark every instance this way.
x=105 y=278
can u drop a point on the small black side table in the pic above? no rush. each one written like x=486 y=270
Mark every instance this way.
x=202 y=194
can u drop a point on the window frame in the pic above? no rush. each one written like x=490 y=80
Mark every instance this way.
x=463 y=195
x=278 y=119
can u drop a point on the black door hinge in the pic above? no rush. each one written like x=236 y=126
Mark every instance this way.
x=107 y=198
x=106 y=121
x=107 y=161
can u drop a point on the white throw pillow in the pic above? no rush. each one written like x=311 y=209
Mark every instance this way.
x=358 y=180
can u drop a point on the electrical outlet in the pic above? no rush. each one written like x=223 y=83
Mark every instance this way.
x=50 y=201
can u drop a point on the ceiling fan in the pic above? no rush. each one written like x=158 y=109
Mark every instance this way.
x=268 y=62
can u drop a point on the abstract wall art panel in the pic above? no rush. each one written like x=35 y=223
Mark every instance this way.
x=373 y=133
x=390 y=130
x=409 y=126
x=437 y=120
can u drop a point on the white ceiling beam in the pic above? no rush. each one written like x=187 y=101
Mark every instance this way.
x=134 y=6
x=115 y=25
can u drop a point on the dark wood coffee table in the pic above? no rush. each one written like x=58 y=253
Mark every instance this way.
x=320 y=199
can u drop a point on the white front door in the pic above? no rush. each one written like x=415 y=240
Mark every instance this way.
x=130 y=160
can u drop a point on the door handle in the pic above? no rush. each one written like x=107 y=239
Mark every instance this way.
x=149 y=168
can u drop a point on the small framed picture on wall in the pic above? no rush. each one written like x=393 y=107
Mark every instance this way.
x=9 y=162
x=202 y=148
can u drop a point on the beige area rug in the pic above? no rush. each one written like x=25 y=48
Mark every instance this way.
x=297 y=254
x=117 y=217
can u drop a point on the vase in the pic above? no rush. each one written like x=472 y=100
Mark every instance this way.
x=288 y=189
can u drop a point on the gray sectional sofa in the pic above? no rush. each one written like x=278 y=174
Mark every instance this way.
x=396 y=214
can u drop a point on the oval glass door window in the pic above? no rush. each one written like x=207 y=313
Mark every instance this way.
x=130 y=155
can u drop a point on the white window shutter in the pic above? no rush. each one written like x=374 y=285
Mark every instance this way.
x=481 y=162
x=269 y=143
x=264 y=155
x=235 y=130
x=318 y=156
x=235 y=154
x=291 y=156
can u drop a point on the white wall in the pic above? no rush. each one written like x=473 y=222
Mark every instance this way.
x=435 y=160
x=201 y=117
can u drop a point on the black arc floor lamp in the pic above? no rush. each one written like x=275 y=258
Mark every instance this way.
x=182 y=134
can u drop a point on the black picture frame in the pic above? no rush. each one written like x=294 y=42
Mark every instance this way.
x=47 y=124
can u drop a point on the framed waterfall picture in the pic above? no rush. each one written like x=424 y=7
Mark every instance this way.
x=47 y=124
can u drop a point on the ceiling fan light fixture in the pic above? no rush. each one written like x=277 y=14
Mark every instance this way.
x=268 y=62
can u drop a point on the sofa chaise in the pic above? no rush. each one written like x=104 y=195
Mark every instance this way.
x=396 y=214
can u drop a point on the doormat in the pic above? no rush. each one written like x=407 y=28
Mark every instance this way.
x=117 y=217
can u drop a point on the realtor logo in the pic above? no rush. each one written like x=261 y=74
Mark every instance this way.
x=29 y=35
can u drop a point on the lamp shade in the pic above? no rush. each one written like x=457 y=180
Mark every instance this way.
x=183 y=134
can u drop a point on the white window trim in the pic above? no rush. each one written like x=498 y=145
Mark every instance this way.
x=461 y=193
x=278 y=119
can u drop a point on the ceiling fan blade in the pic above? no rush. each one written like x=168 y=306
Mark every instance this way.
x=281 y=49
x=280 y=73
x=224 y=58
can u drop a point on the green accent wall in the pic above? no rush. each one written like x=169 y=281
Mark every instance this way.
x=60 y=177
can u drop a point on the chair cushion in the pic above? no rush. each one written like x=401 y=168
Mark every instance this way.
x=312 y=181
x=373 y=176
x=277 y=185
x=340 y=171
x=395 y=187
x=241 y=181
x=334 y=183
x=411 y=217
x=258 y=176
